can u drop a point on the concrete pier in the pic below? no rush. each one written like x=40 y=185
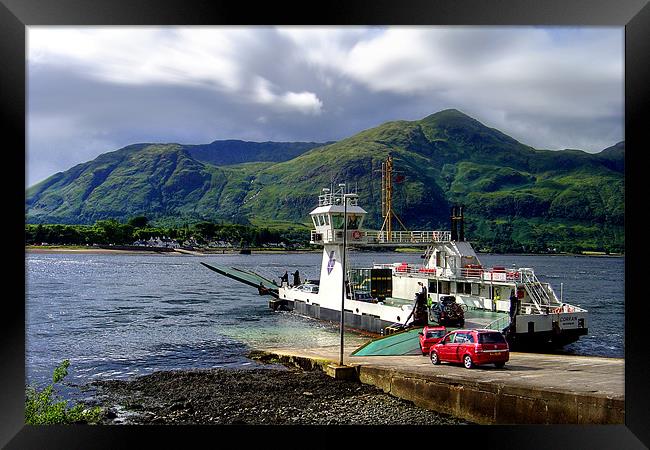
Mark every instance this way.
x=531 y=389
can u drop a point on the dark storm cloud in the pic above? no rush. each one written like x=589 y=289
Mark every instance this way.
x=96 y=90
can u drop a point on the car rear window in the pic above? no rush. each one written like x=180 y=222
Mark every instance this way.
x=436 y=334
x=491 y=338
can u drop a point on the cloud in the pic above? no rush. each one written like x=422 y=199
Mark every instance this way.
x=513 y=71
x=191 y=57
x=94 y=89
x=305 y=102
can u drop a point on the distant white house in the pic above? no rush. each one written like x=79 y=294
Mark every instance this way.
x=158 y=242
x=191 y=242
x=219 y=244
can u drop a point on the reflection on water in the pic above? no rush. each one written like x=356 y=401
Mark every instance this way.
x=116 y=316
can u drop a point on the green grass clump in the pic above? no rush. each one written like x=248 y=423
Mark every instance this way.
x=44 y=407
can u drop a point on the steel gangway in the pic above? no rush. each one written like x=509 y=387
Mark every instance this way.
x=538 y=293
x=427 y=255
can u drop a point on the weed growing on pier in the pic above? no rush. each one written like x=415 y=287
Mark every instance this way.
x=42 y=407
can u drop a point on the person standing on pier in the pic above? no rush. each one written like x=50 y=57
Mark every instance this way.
x=296 y=278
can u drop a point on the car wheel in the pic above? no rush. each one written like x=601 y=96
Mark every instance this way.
x=499 y=365
x=434 y=358
x=467 y=361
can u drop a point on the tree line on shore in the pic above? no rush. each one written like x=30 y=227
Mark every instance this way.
x=492 y=237
x=113 y=232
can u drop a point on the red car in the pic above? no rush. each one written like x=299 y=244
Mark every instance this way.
x=472 y=348
x=430 y=336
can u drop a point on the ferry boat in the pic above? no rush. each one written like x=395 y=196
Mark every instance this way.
x=380 y=298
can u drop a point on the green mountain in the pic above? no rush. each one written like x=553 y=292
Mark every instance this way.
x=229 y=152
x=515 y=196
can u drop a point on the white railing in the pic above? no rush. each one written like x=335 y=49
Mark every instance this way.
x=487 y=274
x=407 y=268
x=336 y=198
x=499 y=324
x=369 y=237
x=490 y=274
x=407 y=237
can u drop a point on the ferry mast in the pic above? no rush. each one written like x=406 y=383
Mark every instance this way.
x=387 y=198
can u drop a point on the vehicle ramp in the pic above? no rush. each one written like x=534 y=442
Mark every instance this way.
x=247 y=277
x=396 y=344
x=407 y=342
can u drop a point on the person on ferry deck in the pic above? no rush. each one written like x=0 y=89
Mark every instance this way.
x=296 y=278
x=284 y=278
x=514 y=307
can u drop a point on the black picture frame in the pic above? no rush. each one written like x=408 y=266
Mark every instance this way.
x=16 y=15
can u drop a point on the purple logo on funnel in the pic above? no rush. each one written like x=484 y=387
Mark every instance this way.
x=330 y=264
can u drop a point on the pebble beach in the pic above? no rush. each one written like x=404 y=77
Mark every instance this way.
x=260 y=396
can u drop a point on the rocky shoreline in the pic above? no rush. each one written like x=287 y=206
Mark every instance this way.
x=260 y=396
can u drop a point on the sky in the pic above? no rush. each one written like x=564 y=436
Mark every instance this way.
x=97 y=89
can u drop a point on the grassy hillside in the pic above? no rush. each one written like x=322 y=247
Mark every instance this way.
x=516 y=197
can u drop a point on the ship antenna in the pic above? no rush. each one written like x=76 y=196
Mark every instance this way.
x=387 y=198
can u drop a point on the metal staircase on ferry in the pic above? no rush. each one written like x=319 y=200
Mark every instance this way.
x=427 y=254
x=540 y=295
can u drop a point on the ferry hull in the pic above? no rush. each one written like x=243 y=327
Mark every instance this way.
x=536 y=341
x=544 y=340
x=352 y=321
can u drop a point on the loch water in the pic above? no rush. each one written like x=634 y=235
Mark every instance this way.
x=120 y=315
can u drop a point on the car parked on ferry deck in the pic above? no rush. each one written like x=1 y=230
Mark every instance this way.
x=309 y=288
x=471 y=348
x=429 y=336
x=447 y=311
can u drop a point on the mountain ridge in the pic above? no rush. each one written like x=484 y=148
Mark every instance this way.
x=446 y=157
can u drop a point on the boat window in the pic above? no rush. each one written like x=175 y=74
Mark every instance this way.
x=353 y=221
x=313 y=219
x=337 y=220
x=327 y=219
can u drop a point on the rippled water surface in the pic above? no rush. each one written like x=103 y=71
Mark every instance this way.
x=115 y=316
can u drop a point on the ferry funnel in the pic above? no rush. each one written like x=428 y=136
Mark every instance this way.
x=454 y=232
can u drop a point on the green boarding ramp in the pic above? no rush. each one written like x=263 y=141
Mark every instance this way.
x=397 y=344
x=408 y=342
